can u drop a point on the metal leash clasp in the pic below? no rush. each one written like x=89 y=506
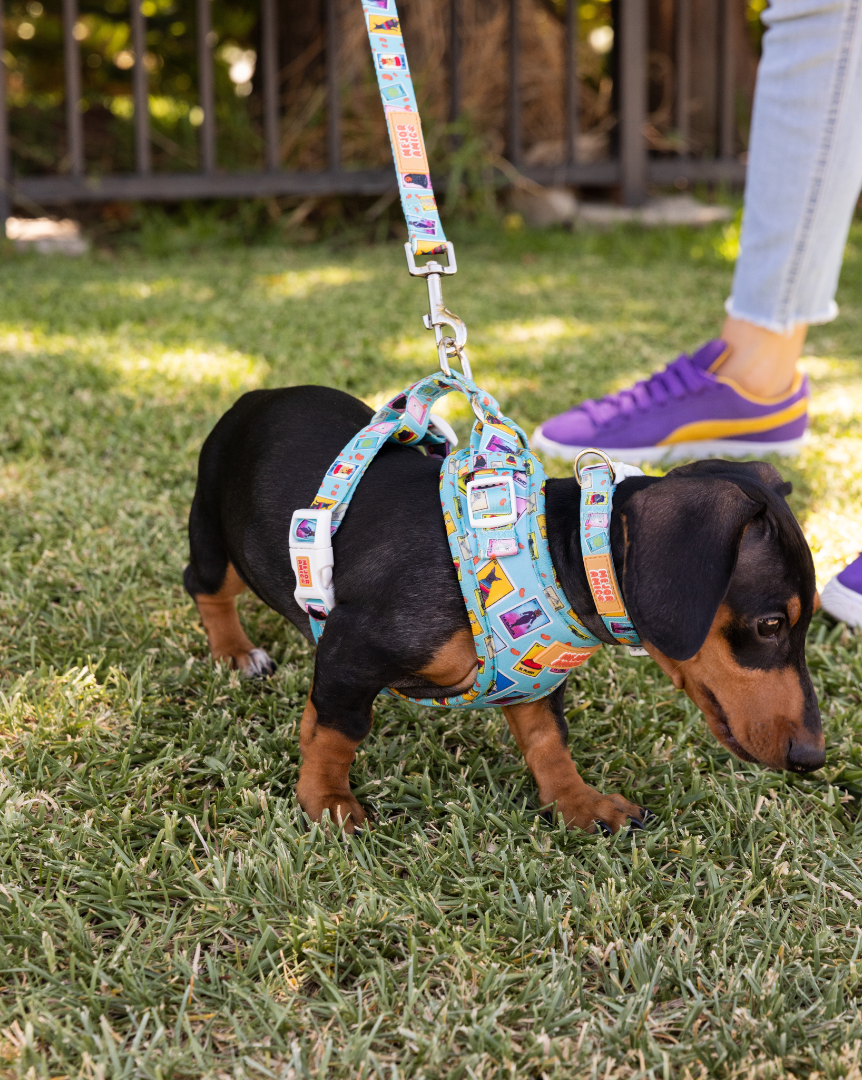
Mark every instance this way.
x=439 y=315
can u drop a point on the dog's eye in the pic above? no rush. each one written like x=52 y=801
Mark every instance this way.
x=768 y=627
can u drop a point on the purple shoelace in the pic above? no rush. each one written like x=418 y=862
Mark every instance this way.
x=676 y=381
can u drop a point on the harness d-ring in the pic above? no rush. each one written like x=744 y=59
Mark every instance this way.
x=596 y=453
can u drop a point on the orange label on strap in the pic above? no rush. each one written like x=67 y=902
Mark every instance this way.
x=562 y=657
x=303 y=571
x=406 y=131
x=603 y=585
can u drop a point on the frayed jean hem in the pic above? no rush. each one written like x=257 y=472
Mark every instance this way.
x=784 y=328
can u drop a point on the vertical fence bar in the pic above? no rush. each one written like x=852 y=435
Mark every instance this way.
x=514 y=83
x=5 y=171
x=72 y=56
x=141 y=89
x=683 y=74
x=333 y=99
x=454 y=59
x=572 y=123
x=269 y=63
x=631 y=38
x=206 y=86
x=726 y=118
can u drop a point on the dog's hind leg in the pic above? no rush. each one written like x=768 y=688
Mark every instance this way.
x=540 y=730
x=214 y=584
x=228 y=641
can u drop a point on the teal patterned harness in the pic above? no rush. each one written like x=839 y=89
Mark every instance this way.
x=527 y=635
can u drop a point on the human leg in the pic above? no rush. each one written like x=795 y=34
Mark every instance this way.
x=742 y=394
x=761 y=361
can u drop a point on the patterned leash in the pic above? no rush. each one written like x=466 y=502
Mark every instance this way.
x=414 y=177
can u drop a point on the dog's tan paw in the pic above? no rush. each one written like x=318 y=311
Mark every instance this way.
x=587 y=809
x=344 y=810
x=254 y=663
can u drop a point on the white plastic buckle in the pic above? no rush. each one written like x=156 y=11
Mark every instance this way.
x=498 y=519
x=438 y=426
x=311 y=557
x=622 y=471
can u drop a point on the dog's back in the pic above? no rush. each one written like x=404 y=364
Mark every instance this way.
x=266 y=457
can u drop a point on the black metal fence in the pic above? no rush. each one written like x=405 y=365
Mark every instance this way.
x=631 y=166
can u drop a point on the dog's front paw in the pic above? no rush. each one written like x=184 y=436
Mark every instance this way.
x=585 y=808
x=254 y=663
x=344 y=810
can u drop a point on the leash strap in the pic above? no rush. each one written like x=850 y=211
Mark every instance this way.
x=405 y=128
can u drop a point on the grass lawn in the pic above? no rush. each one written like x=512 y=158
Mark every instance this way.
x=165 y=909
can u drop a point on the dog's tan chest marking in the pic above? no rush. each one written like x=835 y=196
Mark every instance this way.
x=454 y=664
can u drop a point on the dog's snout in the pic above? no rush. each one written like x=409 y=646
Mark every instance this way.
x=803 y=758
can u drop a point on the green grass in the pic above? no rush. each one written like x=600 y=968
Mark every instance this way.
x=166 y=911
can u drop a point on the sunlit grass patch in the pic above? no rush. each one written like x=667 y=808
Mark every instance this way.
x=228 y=370
x=297 y=284
x=541 y=330
x=166 y=910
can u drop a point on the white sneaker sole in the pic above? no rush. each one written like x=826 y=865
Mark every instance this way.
x=700 y=448
x=842 y=603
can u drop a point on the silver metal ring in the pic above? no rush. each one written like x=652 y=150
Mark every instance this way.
x=596 y=453
x=449 y=348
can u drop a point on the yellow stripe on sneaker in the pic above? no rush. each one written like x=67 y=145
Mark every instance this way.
x=722 y=429
x=753 y=398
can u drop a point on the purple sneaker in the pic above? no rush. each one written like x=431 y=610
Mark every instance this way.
x=842 y=596
x=685 y=411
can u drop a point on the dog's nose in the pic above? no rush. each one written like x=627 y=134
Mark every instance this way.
x=804 y=758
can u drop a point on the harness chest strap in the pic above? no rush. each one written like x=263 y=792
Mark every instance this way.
x=598 y=483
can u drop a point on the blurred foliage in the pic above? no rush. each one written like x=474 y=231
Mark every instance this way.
x=467 y=151
x=33 y=33
x=36 y=93
x=753 y=10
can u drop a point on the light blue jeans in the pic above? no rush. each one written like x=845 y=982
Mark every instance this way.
x=804 y=164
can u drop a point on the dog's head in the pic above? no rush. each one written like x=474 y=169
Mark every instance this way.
x=720 y=584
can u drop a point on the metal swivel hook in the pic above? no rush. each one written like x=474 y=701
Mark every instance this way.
x=439 y=315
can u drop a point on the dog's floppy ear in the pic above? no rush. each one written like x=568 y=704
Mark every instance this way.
x=682 y=538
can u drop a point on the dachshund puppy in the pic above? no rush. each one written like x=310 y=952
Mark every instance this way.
x=714 y=569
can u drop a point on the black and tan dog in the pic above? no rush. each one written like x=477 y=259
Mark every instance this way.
x=714 y=569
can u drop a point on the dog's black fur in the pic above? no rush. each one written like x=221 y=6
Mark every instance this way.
x=710 y=534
